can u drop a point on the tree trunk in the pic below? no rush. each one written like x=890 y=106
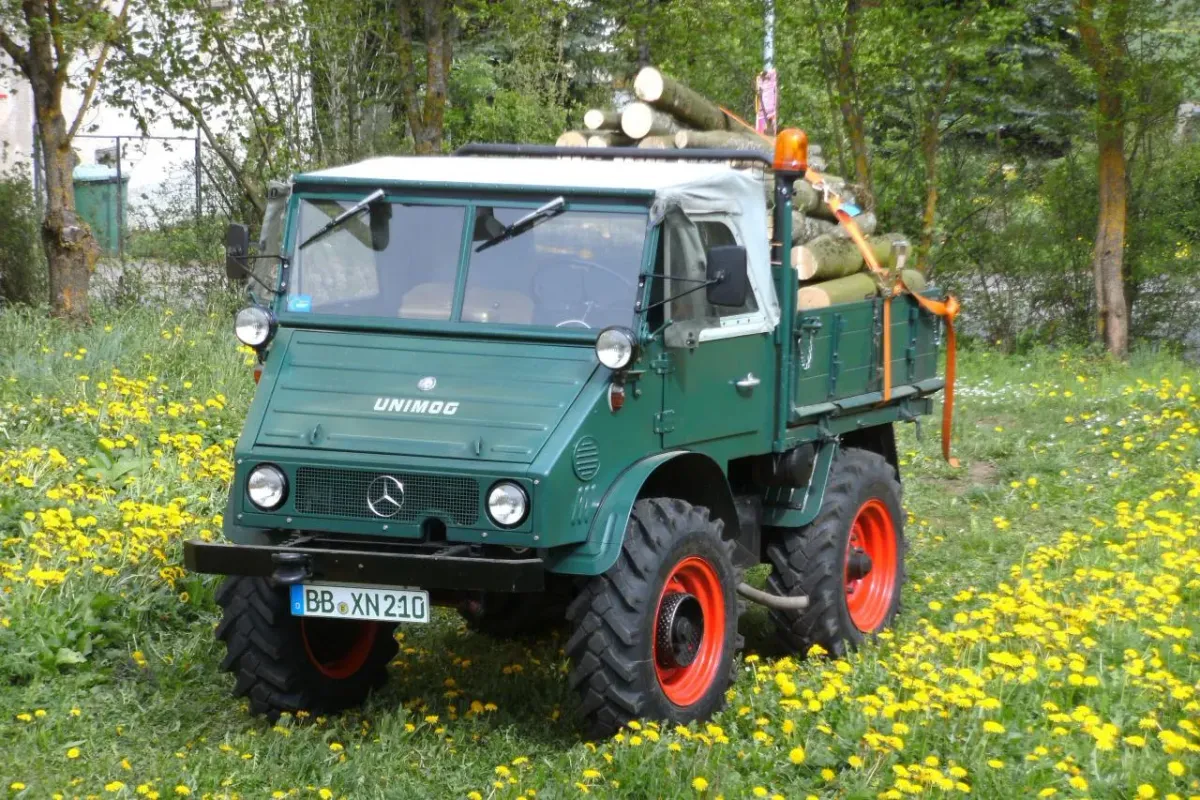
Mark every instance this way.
x=858 y=286
x=929 y=154
x=724 y=140
x=639 y=120
x=71 y=250
x=1107 y=53
x=686 y=105
x=1109 y=251
x=426 y=117
x=847 y=86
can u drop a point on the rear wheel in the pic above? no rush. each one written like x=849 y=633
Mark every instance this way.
x=286 y=663
x=655 y=636
x=849 y=561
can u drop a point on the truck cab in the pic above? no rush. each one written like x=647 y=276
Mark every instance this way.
x=533 y=383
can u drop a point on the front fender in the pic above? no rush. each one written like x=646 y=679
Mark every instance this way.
x=607 y=532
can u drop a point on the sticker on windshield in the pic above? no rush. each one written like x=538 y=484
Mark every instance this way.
x=300 y=302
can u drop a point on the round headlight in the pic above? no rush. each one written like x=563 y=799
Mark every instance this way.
x=254 y=325
x=266 y=486
x=615 y=347
x=507 y=504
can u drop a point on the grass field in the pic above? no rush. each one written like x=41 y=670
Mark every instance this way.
x=1047 y=646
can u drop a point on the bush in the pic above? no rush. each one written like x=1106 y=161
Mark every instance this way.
x=23 y=268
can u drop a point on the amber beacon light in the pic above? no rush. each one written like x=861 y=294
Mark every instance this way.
x=791 y=150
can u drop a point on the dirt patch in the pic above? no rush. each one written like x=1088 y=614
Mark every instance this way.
x=978 y=473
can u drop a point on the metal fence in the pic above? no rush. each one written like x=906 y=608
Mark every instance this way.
x=162 y=180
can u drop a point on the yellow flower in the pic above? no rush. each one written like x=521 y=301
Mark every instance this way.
x=1175 y=768
x=760 y=791
x=796 y=756
x=336 y=747
x=995 y=763
x=474 y=796
x=182 y=790
x=700 y=784
x=325 y=794
x=1049 y=791
x=1079 y=782
x=1146 y=791
x=591 y=774
x=73 y=752
x=114 y=786
x=16 y=786
x=991 y=726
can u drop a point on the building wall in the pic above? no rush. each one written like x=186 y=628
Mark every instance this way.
x=16 y=121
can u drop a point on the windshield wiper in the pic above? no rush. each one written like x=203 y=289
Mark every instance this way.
x=349 y=213
x=552 y=209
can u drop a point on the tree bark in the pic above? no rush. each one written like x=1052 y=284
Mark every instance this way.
x=71 y=250
x=858 y=286
x=846 y=79
x=669 y=95
x=426 y=115
x=1107 y=53
x=724 y=140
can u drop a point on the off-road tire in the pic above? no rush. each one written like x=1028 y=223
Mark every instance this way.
x=812 y=560
x=268 y=656
x=504 y=615
x=614 y=619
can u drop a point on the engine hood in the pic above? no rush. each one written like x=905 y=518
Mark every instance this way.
x=399 y=394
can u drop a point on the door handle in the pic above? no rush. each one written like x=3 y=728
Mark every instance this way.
x=748 y=382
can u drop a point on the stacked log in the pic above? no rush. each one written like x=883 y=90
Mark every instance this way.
x=666 y=114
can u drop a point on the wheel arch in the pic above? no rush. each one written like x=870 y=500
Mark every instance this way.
x=682 y=474
x=879 y=439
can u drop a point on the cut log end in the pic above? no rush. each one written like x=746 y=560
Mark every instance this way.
x=648 y=85
x=571 y=139
x=599 y=119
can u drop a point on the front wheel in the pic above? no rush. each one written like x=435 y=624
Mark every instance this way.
x=286 y=663
x=655 y=636
x=849 y=561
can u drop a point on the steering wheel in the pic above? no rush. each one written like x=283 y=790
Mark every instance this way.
x=577 y=264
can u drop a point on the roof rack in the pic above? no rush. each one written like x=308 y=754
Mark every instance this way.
x=611 y=153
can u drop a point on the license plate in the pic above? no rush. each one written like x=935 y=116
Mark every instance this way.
x=360 y=602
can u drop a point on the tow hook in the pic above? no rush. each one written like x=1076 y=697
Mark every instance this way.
x=290 y=568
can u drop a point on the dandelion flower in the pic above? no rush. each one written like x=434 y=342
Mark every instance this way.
x=796 y=756
x=991 y=726
x=700 y=784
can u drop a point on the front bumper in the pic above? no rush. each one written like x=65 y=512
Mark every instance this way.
x=450 y=567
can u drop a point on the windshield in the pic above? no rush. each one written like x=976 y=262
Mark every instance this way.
x=578 y=269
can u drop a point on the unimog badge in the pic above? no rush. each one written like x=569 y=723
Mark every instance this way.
x=406 y=405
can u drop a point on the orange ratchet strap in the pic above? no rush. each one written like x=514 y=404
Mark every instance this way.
x=946 y=311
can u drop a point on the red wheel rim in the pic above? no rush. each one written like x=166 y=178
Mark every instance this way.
x=687 y=685
x=337 y=648
x=869 y=598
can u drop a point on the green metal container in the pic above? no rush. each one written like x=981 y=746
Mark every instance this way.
x=97 y=201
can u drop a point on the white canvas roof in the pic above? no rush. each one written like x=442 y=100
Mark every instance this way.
x=699 y=188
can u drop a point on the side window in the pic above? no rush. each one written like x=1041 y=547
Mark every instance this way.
x=714 y=233
x=680 y=257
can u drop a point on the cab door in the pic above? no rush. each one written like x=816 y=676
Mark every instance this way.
x=722 y=386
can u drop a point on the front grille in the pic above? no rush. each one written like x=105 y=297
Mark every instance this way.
x=328 y=492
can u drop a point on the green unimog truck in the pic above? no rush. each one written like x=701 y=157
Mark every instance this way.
x=535 y=382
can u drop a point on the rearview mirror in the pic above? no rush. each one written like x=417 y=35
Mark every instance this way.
x=237 y=247
x=726 y=272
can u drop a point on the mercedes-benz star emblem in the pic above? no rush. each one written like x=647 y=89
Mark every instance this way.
x=427 y=383
x=385 y=496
